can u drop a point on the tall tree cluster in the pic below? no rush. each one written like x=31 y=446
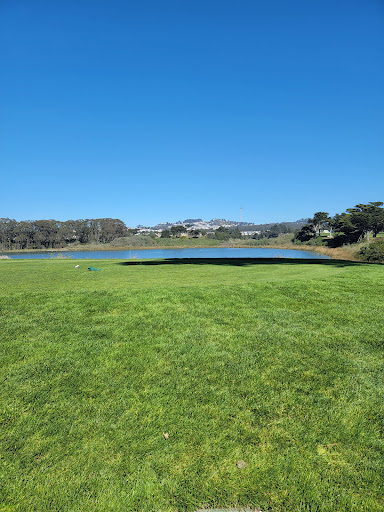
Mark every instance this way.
x=353 y=225
x=53 y=234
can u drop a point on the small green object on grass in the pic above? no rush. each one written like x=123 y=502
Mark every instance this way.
x=93 y=269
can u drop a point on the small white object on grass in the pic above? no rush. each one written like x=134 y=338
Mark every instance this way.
x=77 y=266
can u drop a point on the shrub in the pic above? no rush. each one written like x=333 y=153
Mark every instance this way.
x=374 y=252
x=316 y=241
x=344 y=239
x=134 y=241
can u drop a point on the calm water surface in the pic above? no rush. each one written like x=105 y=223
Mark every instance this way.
x=141 y=254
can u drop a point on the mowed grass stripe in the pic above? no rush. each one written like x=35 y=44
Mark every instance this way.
x=283 y=372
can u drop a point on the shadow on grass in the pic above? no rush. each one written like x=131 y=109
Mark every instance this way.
x=243 y=262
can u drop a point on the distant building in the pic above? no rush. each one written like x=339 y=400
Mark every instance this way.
x=250 y=233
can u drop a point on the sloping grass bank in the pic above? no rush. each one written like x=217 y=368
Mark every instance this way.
x=278 y=363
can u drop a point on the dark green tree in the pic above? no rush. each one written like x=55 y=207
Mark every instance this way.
x=109 y=229
x=377 y=217
x=7 y=233
x=367 y=218
x=318 y=221
x=222 y=233
x=24 y=235
x=274 y=231
x=305 y=233
x=67 y=231
x=178 y=230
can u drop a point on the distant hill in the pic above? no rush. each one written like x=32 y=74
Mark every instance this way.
x=216 y=223
x=292 y=225
x=192 y=221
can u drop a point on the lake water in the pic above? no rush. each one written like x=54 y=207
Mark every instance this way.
x=220 y=252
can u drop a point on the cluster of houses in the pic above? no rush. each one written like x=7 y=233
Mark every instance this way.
x=194 y=228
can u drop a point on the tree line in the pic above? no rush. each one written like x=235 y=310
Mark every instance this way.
x=353 y=225
x=53 y=234
x=221 y=233
x=225 y=233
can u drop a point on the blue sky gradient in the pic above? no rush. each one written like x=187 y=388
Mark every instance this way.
x=154 y=111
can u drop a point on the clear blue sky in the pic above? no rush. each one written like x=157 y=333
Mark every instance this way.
x=149 y=110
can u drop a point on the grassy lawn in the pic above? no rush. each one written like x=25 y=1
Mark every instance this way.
x=278 y=364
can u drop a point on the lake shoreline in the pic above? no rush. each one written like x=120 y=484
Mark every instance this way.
x=341 y=253
x=233 y=253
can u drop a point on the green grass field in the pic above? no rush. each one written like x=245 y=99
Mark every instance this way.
x=276 y=363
